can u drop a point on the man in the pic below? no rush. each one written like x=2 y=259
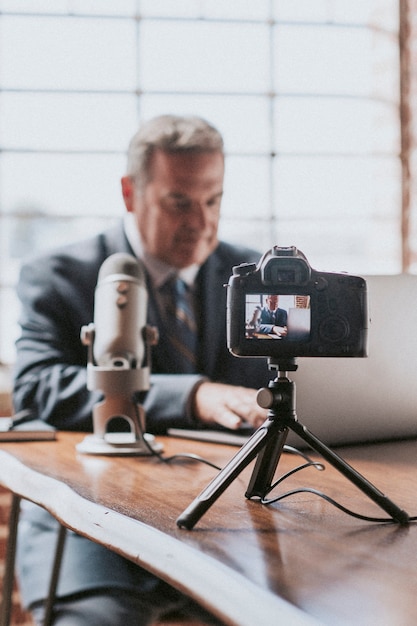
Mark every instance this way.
x=272 y=319
x=172 y=191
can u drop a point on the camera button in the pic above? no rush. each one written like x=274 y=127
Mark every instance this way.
x=321 y=283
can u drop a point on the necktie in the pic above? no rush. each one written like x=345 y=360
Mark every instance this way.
x=181 y=326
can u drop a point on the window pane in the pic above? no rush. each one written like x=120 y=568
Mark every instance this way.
x=381 y=12
x=36 y=121
x=202 y=57
x=368 y=246
x=62 y=184
x=102 y=7
x=320 y=59
x=255 y=233
x=247 y=185
x=320 y=125
x=242 y=9
x=86 y=53
x=27 y=235
x=317 y=188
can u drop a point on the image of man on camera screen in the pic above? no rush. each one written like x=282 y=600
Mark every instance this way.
x=269 y=319
x=273 y=319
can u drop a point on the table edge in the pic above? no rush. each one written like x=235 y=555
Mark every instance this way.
x=245 y=602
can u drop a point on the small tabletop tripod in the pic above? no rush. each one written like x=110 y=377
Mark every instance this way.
x=267 y=444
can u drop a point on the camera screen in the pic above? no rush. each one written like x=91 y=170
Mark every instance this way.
x=272 y=316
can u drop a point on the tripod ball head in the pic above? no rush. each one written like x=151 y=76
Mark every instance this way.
x=266 y=398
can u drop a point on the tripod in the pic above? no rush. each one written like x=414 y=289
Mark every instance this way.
x=267 y=444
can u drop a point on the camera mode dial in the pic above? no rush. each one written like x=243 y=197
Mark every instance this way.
x=244 y=269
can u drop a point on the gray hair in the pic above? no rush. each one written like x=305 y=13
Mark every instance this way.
x=172 y=134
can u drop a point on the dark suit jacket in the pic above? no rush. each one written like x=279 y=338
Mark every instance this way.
x=57 y=295
x=269 y=319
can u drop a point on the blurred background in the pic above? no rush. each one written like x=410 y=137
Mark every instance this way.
x=314 y=98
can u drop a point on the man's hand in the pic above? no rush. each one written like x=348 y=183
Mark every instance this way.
x=228 y=405
x=281 y=331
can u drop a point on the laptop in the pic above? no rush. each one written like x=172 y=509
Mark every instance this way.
x=354 y=400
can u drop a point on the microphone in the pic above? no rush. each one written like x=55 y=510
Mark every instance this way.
x=118 y=364
x=120 y=306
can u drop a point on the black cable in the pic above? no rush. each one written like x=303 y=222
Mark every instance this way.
x=318 y=466
x=320 y=494
x=331 y=501
x=267 y=501
x=303 y=455
x=169 y=459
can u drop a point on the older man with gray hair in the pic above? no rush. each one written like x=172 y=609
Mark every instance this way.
x=172 y=191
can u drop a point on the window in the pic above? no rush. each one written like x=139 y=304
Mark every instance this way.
x=305 y=92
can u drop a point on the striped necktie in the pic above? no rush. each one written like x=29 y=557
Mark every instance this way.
x=181 y=325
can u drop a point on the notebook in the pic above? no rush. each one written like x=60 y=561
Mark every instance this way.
x=34 y=430
x=353 y=400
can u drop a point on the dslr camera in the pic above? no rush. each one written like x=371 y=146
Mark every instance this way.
x=283 y=308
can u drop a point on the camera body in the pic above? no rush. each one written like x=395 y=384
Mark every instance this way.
x=283 y=308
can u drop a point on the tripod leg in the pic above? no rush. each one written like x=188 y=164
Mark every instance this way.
x=350 y=473
x=265 y=466
x=234 y=467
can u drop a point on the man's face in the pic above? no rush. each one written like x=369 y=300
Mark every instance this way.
x=272 y=302
x=177 y=212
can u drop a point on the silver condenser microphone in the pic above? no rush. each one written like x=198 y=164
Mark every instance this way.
x=120 y=306
x=119 y=343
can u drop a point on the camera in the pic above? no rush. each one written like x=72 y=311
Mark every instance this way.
x=283 y=308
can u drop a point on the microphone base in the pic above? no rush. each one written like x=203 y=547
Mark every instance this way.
x=119 y=444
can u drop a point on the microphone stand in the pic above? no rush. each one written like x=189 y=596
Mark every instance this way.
x=122 y=387
x=267 y=444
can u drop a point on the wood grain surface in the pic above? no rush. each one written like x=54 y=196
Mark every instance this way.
x=300 y=558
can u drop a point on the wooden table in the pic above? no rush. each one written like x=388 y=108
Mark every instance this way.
x=299 y=561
